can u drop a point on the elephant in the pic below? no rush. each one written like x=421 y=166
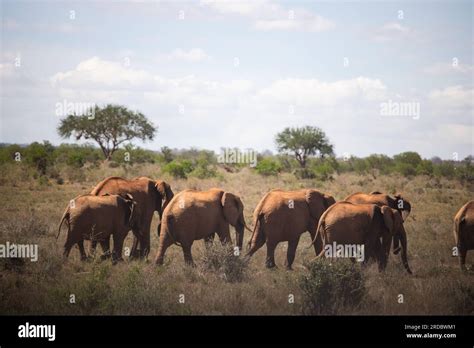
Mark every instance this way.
x=93 y=217
x=192 y=215
x=150 y=196
x=397 y=202
x=464 y=231
x=370 y=225
x=284 y=216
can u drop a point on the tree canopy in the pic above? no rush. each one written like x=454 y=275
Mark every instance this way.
x=108 y=126
x=303 y=142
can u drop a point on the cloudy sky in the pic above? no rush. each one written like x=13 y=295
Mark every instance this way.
x=214 y=74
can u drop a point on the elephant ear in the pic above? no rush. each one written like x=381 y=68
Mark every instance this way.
x=316 y=202
x=165 y=192
x=328 y=201
x=230 y=206
x=388 y=217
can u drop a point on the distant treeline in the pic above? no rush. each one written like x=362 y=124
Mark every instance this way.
x=47 y=160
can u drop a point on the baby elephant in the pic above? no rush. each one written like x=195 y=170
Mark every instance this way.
x=346 y=227
x=464 y=231
x=96 y=218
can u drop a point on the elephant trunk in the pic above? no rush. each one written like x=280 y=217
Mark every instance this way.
x=239 y=231
x=403 y=241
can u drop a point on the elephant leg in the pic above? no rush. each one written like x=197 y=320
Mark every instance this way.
x=105 y=245
x=67 y=249
x=165 y=243
x=224 y=235
x=270 y=261
x=462 y=258
x=145 y=241
x=135 y=252
x=118 y=247
x=80 y=244
x=291 y=252
x=188 y=257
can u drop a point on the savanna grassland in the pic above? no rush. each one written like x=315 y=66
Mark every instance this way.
x=31 y=210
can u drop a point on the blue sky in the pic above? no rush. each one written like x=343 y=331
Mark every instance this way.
x=213 y=74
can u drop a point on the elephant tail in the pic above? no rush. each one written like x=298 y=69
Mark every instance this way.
x=319 y=236
x=66 y=216
x=457 y=229
x=256 y=229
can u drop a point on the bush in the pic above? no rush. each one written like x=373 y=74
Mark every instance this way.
x=331 y=287
x=425 y=168
x=7 y=153
x=131 y=154
x=179 y=169
x=323 y=169
x=268 y=166
x=39 y=156
x=221 y=259
x=444 y=169
x=304 y=173
x=204 y=166
x=405 y=169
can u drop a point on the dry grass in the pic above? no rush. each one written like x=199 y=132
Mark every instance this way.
x=31 y=212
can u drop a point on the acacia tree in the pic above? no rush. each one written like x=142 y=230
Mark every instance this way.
x=109 y=127
x=304 y=142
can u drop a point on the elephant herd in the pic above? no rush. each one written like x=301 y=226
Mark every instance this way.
x=374 y=222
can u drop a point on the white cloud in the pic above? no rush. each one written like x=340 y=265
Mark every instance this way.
x=454 y=97
x=101 y=76
x=449 y=68
x=391 y=31
x=268 y=15
x=193 y=55
x=312 y=92
x=96 y=73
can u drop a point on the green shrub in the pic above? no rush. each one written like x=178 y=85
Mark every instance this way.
x=131 y=154
x=204 y=171
x=7 y=153
x=304 y=173
x=268 y=166
x=323 y=169
x=382 y=163
x=39 y=156
x=222 y=260
x=405 y=169
x=444 y=169
x=204 y=166
x=179 y=169
x=331 y=287
x=409 y=157
x=425 y=168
